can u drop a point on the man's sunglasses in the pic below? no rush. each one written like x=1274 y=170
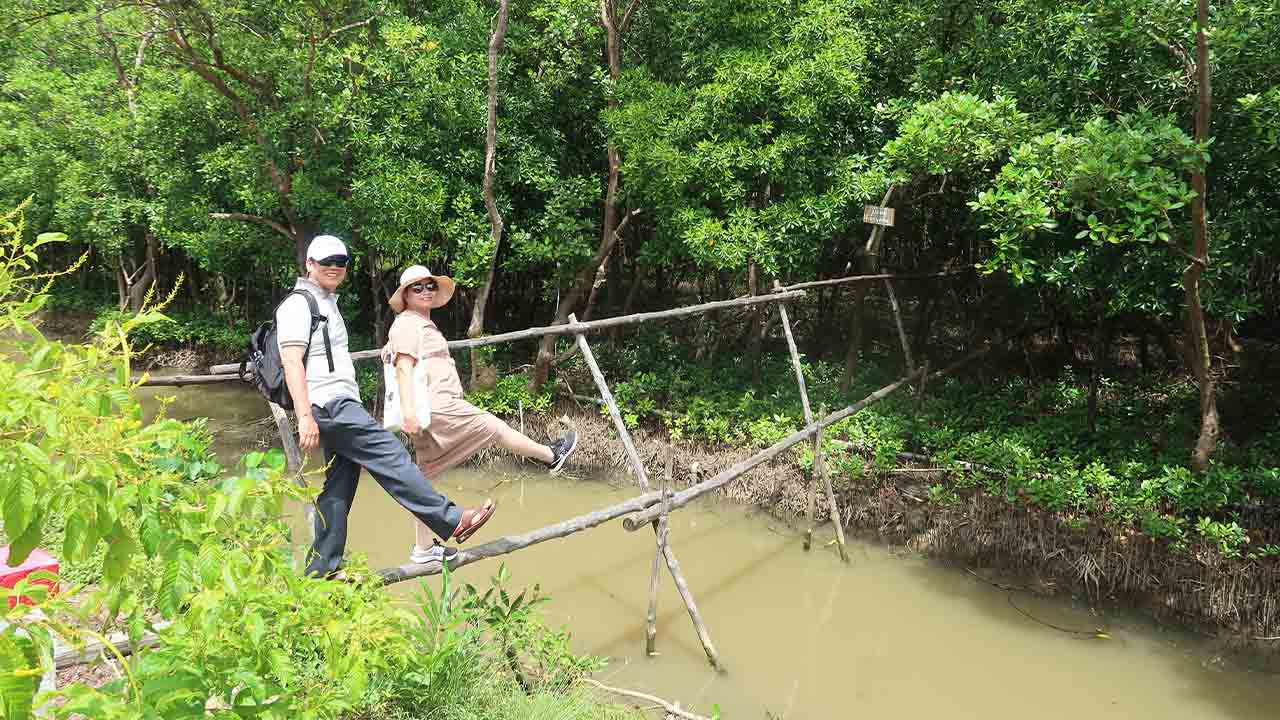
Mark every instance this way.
x=333 y=261
x=421 y=287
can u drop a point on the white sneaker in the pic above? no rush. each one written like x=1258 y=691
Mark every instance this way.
x=436 y=553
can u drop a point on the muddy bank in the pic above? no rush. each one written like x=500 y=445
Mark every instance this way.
x=1237 y=600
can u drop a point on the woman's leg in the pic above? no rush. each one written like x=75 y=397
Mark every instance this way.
x=422 y=535
x=515 y=441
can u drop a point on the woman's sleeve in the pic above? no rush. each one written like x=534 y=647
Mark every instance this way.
x=403 y=339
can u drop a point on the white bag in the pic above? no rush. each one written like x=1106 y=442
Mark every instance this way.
x=392 y=418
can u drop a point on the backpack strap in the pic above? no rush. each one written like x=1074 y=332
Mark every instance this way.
x=317 y=320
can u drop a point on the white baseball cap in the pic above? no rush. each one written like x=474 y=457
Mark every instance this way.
x=323 y=246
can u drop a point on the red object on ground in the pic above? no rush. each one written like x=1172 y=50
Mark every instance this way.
x=37 y=560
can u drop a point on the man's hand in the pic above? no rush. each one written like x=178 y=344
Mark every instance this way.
x=308 y=433
x=411 y=425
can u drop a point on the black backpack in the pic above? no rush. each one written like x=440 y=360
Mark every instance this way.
x=262 y=366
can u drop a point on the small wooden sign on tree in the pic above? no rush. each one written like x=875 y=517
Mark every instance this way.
x=877 y=215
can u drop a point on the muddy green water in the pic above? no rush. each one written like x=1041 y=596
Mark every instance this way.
x=801 y=634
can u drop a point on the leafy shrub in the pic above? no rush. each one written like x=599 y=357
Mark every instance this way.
x=200 y=328
x=510 y=394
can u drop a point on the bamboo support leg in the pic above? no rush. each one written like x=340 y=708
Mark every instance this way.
x=811 y=508
x=902 y=333
x=633 y=457
x=820 y=471
x=651 y=632
x=293 y=456
x=683 y=588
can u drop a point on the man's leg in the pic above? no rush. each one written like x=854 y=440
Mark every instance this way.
x=357 y=437
x=334 y=504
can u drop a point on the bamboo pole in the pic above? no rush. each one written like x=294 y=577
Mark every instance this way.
x=682 y=587
x=579 y=328
x=651 y=631
x=633 y=457
x=808 y=417
x=182 y=380
x=820 y=471
x=688 y=495
x=637 y=467
x=66 y=655
x=902 y=333
x=293 y=456
x=512 y=543
x=870 y=277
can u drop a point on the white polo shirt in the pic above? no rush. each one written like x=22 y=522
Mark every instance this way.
x=293 y=321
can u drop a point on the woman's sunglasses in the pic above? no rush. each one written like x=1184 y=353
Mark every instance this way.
x=428 y=286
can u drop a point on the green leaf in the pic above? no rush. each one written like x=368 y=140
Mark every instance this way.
x=51 y=237
x=74 y=536
x=217 y=505
x=152 y=536
x=253 y=460
x=119 y=553
x=21 y=547
x=19 y=676
x=19 y=505
x=275 y=460
x=175 y=582
x=239 y=488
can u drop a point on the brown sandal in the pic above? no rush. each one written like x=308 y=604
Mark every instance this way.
x=472 y=519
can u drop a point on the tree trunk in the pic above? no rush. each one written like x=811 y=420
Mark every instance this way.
x=1098 y=353
x=754 y=337
x=482 y=375
x=1198 y=336
x=868 y=264
x=138 y=288
x=610 y=226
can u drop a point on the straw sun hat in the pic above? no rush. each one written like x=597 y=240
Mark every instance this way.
x=418 y=273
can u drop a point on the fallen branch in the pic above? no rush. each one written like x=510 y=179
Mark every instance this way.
x=672 y=708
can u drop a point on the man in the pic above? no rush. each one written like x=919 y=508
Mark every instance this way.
x=322 y=385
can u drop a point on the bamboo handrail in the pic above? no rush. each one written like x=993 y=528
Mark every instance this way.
x=870 y=278
x=577 y=328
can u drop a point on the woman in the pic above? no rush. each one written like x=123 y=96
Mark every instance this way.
x=457 y=429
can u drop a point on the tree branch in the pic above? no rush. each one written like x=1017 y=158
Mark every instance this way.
x=353 y=25
x=626 y=15
x=201 y=68
x=37 y=18
x=256 y=219
x=672 y=709
x=1188 y=66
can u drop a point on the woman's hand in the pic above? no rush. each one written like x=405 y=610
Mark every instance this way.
x=411 y=425
x=408 y=408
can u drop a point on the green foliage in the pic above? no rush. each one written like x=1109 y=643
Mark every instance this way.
x=957 y=134
x=1095 y=212
x=193 y=328
x=165 y=534
x=510 y=395
x=1229 y=538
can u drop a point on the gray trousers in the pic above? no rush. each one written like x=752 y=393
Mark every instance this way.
x=352 y=439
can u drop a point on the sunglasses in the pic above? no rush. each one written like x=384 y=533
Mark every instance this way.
x=421 y=287
x=333 y=261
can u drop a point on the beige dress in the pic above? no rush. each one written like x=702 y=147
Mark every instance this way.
x=458 y=429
